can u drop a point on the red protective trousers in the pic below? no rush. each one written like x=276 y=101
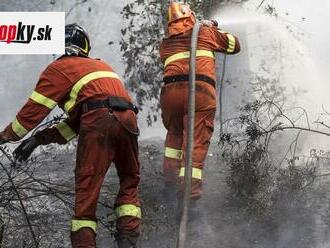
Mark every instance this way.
x=104 y=138
x=174 y=105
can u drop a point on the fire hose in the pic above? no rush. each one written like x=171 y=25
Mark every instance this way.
x=190 y=139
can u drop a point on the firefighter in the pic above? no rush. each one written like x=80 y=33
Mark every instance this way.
x=101 y=112
x=174 y=52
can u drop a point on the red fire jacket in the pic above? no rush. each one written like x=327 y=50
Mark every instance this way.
x=174 y=51
x=67 y=82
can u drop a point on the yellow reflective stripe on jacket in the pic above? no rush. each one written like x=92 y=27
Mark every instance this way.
x=231 y=43
x=76 y=225
x=196 y=173
x=83 y=81
x=65 y=130
x=173 y=153
x=186 y=55
x=43 y=100
x=128 y=210
x=18 y=129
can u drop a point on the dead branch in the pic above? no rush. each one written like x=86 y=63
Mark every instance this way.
x=323 y=124
x=296 y=128
x=261 y=3
x=21 y=203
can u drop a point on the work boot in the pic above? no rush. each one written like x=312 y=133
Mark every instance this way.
x=125 y=242
x=169 y=193
x=83 y=238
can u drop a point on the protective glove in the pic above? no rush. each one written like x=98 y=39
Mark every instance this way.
x=24 y=150
x=2 y=141
x=210 y=23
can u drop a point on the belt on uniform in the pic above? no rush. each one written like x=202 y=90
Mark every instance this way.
x=113 y=103
x=185 y=77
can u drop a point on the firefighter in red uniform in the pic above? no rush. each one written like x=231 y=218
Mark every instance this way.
x=174 y=52
x=101 y=112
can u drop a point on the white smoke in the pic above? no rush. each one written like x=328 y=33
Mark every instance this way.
x=288 y=44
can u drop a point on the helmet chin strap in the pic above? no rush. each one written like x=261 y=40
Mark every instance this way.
x=70 y=50
x=73 y=50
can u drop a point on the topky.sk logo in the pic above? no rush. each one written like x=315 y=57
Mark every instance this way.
x=21 y=33
x=32 y=32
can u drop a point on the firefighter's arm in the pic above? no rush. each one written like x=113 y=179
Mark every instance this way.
x=61 y=133
x=225 y=42
x=209 y=23
x=51 y=88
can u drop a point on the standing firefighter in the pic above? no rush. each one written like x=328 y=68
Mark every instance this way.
x=174 y=52
x=100 y=111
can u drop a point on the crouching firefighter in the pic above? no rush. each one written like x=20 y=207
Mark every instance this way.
x=175 y=54
x=101 y=112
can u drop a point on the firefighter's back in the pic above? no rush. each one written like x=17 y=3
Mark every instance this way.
x=97 y=84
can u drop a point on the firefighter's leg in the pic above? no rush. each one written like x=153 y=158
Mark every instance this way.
x=92 y=165
x=172 y=157
x=202 y=135
x=171 y=166
x=127 y=205
x=172 y=117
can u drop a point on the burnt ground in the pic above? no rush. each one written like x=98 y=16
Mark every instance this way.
x=220 y=221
